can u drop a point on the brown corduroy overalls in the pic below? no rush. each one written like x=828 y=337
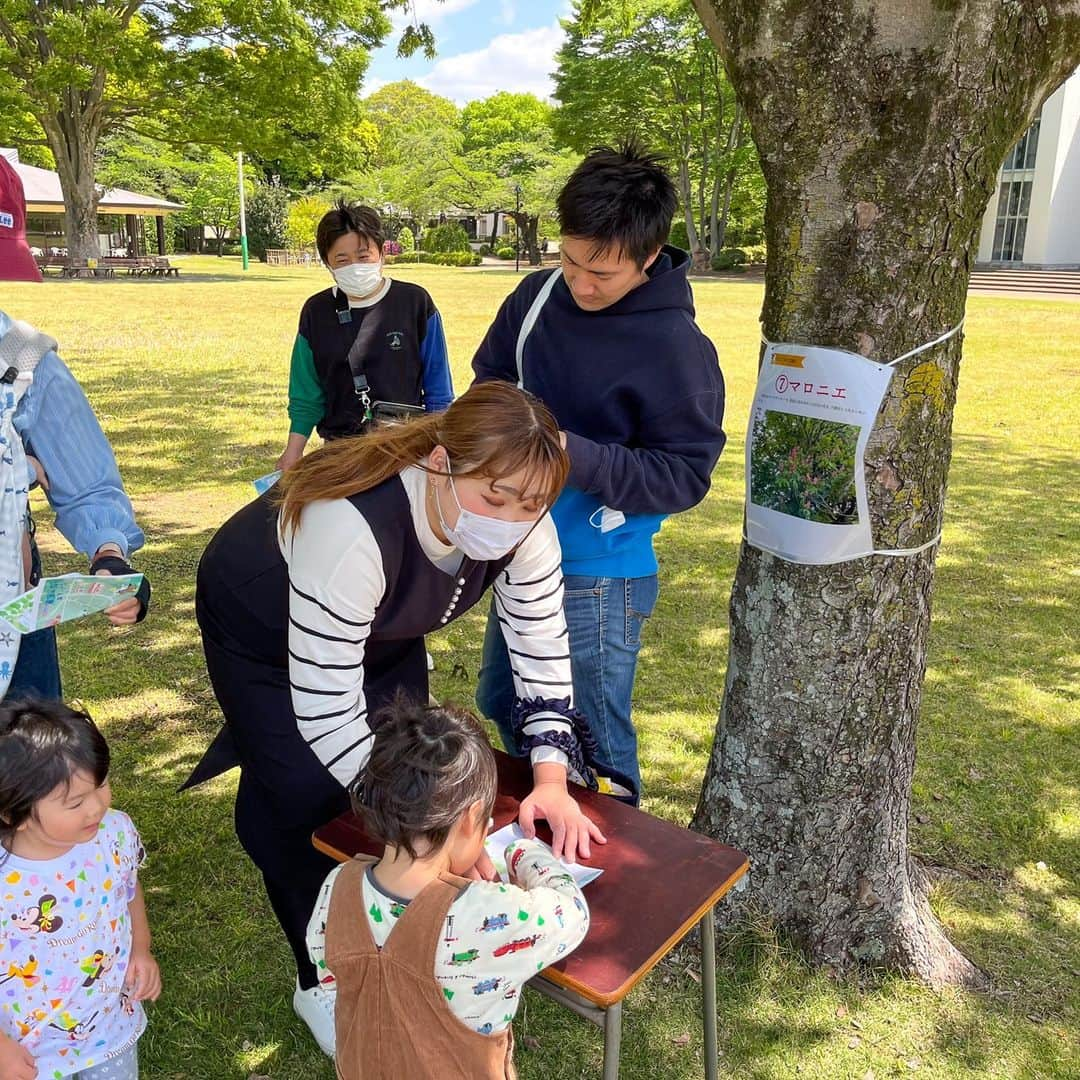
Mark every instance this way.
x=392 y=1019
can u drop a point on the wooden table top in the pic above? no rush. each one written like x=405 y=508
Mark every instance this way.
x=658 y=881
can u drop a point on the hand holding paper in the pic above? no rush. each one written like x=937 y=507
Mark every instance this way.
x=61 y=599
x=497 y=843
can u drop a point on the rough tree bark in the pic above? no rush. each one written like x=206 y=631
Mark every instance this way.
x=528 y=226
x=880 y=128
x=73 y=134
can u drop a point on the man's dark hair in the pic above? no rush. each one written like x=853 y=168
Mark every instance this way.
x=619 y=198
x=427 y=767
x=42 y=745
x=347 y=218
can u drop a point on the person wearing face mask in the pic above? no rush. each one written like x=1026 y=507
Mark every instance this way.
x=364 y=340
x=313 y=602
x=608 y=342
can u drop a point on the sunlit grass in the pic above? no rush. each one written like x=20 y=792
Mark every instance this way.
x=189 y=379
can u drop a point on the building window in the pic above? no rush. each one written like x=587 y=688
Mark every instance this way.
x=1014 y=197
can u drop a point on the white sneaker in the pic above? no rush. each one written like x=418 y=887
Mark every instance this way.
x=316 y=1008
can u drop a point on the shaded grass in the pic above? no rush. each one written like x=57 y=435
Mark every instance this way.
x=189 y=379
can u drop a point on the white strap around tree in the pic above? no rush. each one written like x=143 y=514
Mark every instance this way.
x=530 y=321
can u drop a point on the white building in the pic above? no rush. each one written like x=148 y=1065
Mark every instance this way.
x=1034 y=219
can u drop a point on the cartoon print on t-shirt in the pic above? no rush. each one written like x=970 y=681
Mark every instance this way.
x=39 y=918
x=76 y=1030
x=97 y=964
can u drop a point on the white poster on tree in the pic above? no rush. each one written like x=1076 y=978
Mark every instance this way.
x=813 y=411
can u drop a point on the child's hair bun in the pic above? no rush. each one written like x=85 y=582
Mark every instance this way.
x=427 y=766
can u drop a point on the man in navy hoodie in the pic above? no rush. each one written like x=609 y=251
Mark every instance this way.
x=608 y=342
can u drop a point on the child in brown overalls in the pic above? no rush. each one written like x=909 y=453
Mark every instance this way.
x=427 y=965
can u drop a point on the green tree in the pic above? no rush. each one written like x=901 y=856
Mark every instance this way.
x=649 y=70
x=211 y=195
x=279 y=79
x=418 y=164
x=512 y=163
x=880 y=129
x=504 y=121
x=267 y=218
x=446 y=238
x=304 y=217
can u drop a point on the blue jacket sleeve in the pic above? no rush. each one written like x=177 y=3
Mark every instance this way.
x=438 y=384
x=59 y=428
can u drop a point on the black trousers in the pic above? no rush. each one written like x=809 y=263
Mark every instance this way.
x=285 y=792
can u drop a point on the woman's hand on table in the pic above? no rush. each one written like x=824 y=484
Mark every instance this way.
x=572 y=832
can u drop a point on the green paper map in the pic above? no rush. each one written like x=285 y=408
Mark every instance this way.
x=60 y=599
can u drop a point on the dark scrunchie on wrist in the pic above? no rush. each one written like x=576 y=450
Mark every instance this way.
x=119 y=567
x=578 y=744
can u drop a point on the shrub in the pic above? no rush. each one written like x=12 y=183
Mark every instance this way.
x=728 y=259
x=755 y=253
x=505 y=253
x=678 y=236
x=446 y=238
x=303 y=219
x=407 y=241
x=438 y=258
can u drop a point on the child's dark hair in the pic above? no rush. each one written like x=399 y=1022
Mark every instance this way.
x=620 y=198
x=427 y=767
x=42 y=745
x=345 y=218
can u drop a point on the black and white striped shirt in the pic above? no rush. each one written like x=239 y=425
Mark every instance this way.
x=336 y=583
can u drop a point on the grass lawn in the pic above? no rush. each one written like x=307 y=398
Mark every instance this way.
x=189 y=379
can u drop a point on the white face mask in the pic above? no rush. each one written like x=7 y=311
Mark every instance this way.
x=358 y=279
x=478 y=536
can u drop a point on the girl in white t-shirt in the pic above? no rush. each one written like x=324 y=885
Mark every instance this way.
x=75 y=964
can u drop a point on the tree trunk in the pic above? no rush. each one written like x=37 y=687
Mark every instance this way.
x=720 y=219
x=699 y=257
x=73 y=133
x=880 y=129
x=528 y=226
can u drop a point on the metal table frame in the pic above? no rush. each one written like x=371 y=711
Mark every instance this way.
x=609 y=1018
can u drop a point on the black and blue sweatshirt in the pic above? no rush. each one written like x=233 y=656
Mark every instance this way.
x=638 y=390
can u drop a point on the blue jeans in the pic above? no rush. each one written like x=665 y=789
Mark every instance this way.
x=37 y=670
x=605 y=617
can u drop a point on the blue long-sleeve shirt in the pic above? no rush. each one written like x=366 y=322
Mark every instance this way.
x=59 y=428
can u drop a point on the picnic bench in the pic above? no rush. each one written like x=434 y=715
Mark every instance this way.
x=659 y=882
x=107 y=265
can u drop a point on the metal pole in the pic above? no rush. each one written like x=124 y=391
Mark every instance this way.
x=708 y=992
x=517 y=229
x=243 y=214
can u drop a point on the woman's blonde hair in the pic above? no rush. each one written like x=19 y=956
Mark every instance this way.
x=493 y=430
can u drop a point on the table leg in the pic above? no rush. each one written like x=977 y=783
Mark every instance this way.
x=708 y=992
x=612 y=1040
